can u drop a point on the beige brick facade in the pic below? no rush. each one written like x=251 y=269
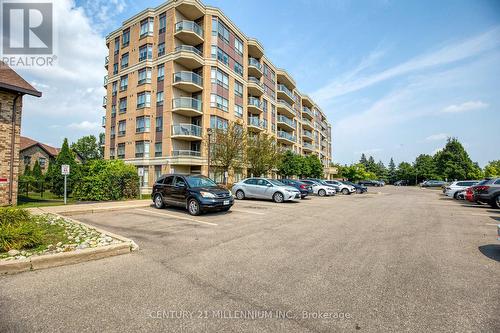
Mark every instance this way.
x=34 y=153
x=8 y=185
x=203 y=58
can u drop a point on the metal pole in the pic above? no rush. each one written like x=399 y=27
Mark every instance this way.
x=209 y=154
x=65 y=177
x=140 y=185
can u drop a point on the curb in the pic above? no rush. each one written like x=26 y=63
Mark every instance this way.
x=79 y=210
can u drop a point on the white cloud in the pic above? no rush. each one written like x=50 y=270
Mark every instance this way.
x=445 y=55
x=437 y=137
x=84 y=126
x=464 y=107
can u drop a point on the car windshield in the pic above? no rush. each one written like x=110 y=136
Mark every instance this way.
x=348 y=183
x=275 y=182
x=484 y=182
x=200 y=181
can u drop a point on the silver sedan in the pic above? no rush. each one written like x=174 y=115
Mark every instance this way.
x=262 y=188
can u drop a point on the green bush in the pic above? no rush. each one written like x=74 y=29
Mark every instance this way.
x=107 y=180
x=19 y=229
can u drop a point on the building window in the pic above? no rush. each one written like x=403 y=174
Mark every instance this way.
x=123 y=82
x=238 y=110
x=142 y=149
x=161 y=49
x=161 y=72
x=126 y=37
x=144 y=76
x=218 y=28
x=159 y=124
x=122 y=127
x=218 y=122
x=124 y=61
x=42 y=162
x=112 y=153
x=219 y=77
x=114 y=88
x=144 y=99
x=217 y=101
x=142 y=124
x=121 y=150
x=117 y=45
x=113 y=110
x=27 y=160
x=220 y=55
x=158 y=149
x=112 y=133
x=238 y=68
x=145 y=178
x=115 y=69
x=147 y=26
x=264 y=105
x=146 y=52
x=157 y=170
x=238 y=88
x=159 y=98
x=123 y=105
x=238 y=45
x=163 y=23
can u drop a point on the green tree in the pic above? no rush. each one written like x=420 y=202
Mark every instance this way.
x=381 y=171
x=354 y=172
x=424 y=168
x=391 y=172
x=38 y=178
x=371 y=166
x=406 y=172
x=227 y=147
x=492 y=169
x=261 y=154
x=88 y=148
x=289 y=164
x=27 y=170
x=453 y=162
x=363 y=160
x=315 y=166
x=65 y=156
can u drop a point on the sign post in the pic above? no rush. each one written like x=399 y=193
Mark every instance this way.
x=140 y=172
x=65 y=172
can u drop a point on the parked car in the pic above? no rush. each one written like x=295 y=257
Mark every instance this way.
x=457 y=187
x=320 y=189
x=369 y=183
x=382 y=182
x=263 y=188
x=470 y=194
x=305 y=189
x=359 y=188
x=344 y=188
x=197 y=193
x=401 y=183
x=324 y=183
x=433 y=183
x=488 y=193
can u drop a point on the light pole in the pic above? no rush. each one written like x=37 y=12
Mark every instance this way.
x=209 y=132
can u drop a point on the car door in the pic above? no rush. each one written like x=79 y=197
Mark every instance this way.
x=248 y=187
x=179 y=189
x=260 y=188
x=166 y=189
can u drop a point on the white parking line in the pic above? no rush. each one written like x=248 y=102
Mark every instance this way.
x=177 y=217
x=492 y=215
x=491 y=224
x=246 y=211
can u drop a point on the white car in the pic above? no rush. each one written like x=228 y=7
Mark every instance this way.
x=344 y=188
x=319 y=189
x=453 y=190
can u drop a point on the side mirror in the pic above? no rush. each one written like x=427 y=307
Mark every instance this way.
x=269 y=185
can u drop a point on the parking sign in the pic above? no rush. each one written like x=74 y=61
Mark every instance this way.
x=65 y=169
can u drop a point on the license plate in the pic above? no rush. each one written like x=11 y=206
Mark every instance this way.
x=226 y=202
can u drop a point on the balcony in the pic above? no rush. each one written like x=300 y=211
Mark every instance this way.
x=105 y=81
x=307 y=124
x=187 y=81
x=306 y=146
x=307 y=112
x=189 y=32
x=286 y=108
x=188 y=56
x=188 y=132
x=190 y=9
x=286 y=137
x=255 y=124
x=106 y=62
x=254 y=67
x=285 y=122
x=285 y=94
x=255 y=49
x=104 y=101
x=187 y=106
x=307 y=101
x=254 y=105
x=307 y=135
x=103 y=124
x=285 y=78
x=186 y=157
x=255 y=87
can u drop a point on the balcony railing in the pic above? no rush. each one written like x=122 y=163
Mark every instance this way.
x=308 y=111
x=286 y=120
x=187 y=103
x=105 y=80
x=282 y=101
x=187 y=130
x=252 y=79
x=308 y=134
x=188 y=48
x=255 y=63
x=307 y=121
x=106 y=61
x=104 y=101
x=188 y=153
x=189 y=77
x=189 y=26
x=103 y=121
x=308 y=145
x=283 y=88
x=254 y=101
x=255 y=121
x=286 y=135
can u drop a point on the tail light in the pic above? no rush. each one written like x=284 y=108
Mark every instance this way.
x=481 y=188
x=302 y=186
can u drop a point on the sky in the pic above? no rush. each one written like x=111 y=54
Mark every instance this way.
x=395 y=78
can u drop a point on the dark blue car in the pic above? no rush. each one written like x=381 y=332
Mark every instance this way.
x=305 y=189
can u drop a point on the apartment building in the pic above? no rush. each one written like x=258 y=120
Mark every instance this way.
x=176 y=70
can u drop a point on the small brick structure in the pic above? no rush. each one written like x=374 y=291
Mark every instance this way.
x=12 y=89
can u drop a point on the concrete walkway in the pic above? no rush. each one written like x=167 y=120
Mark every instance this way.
x=83 y=208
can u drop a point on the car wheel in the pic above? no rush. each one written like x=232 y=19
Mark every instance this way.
x=321 y=193
x=240 y=195
x=159 y=201
x=345 y=191
x=495 y=203
x=278 y=197
x=358 y=191
x=455 y=196
x=225 y=209
x=193 y=207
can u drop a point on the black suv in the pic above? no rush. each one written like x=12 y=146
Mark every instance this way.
x=197 y=193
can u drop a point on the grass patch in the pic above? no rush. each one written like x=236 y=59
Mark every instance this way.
x=34 y=199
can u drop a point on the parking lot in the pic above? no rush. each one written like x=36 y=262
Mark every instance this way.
x=402 y=259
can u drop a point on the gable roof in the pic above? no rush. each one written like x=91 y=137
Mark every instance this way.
x=11 y=81
x=27 y=143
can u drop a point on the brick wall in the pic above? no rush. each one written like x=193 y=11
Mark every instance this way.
x=6 y=101
x=35 y=153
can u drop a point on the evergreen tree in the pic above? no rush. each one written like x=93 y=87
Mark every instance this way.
x=453 y=162
x=381 y=171
x=371 y=166
x=65 y=156
x=363 y=160
x=27 y=170
x=425 y=168
x=392 y=176
x=406 y=172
